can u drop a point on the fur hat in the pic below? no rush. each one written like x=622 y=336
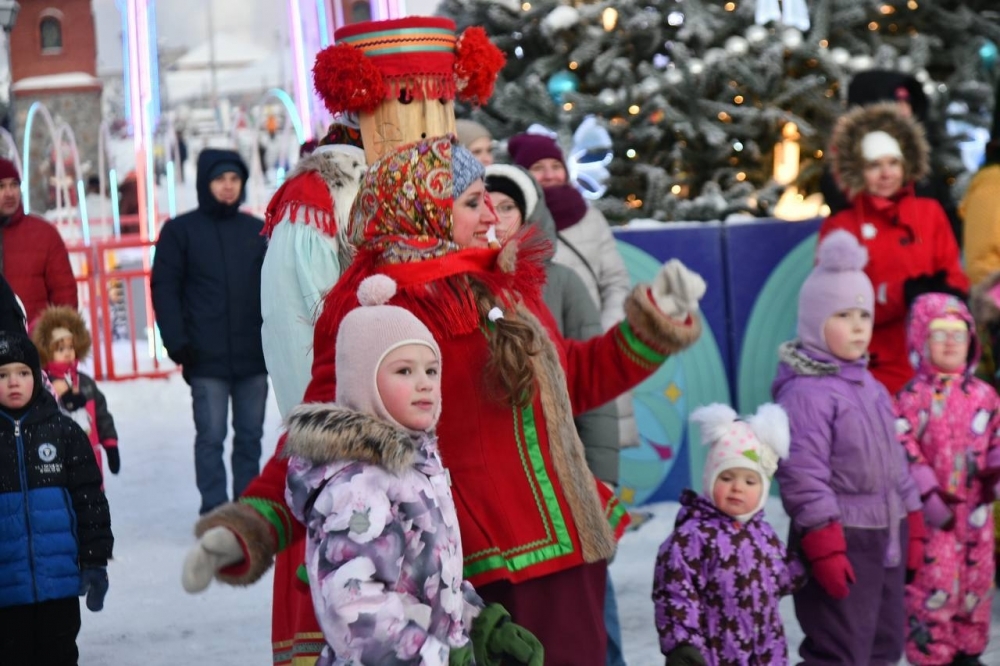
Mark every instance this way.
x=17 y=348
x=847 y=144
x=403 y=210
x=526 y=149
x=366 y=335
x=837 y=282
x=56 y=322
x=372 y=61
x=755 y=443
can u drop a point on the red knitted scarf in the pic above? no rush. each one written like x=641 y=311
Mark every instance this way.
x=302 y=199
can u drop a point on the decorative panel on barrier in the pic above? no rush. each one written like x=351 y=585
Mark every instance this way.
x=662 y=465
x=766 y=264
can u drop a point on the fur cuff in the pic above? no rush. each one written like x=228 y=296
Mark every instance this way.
x=654 y=328
x=255 y=535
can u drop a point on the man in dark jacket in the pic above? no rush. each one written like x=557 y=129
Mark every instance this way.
x=206 y=295
x=33 y=256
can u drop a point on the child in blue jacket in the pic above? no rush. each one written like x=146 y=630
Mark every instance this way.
x=55 y=527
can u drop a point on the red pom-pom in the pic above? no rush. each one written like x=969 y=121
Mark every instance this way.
x=477 y=63
x=347 y=80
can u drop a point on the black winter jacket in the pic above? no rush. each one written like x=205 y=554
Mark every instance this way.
x=206 y=282
x=54 y=517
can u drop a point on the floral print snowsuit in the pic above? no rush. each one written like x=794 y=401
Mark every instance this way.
x=718 y=583
x=949 y=426
x=383 y=551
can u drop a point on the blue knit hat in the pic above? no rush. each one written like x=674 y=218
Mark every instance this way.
x=465 y=169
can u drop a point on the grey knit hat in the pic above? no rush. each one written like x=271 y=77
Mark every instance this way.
x=465 y=169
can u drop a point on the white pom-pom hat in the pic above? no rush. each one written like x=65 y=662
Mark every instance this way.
x=755 y=443
x=366 y=336
x=837 y=283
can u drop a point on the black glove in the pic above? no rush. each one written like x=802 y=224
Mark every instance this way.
x=72 y=401
x=461 y=656
x=94 y=584
x=936 y=283
x=496 y=640
x=184 y=356
x=685 y=655
x=114 y=459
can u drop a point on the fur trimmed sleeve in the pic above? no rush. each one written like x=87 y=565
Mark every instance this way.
x=255 y=535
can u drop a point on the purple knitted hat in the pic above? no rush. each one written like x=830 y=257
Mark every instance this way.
x=526 y=149
x=366 y=335
x=836 y=283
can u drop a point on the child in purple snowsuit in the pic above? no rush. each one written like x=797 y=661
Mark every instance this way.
x=949 y=422
x=721 y=572
x=846 y=485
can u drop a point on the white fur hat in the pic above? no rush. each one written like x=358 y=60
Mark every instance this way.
x=755 y=443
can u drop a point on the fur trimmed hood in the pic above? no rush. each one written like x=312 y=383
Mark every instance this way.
x=985 y=308
x=60 y=316
x=851 y=128
x=325 y=432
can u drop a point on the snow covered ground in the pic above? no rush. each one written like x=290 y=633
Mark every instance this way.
x=148 y=619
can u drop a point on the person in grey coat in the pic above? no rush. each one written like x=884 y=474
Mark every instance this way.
x=519 y=200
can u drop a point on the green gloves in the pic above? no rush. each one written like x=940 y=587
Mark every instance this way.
x=496 y=640
x=461 y=656
x=685 y=655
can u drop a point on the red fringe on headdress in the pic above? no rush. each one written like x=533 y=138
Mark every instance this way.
x=437 y=291
x=478 y=61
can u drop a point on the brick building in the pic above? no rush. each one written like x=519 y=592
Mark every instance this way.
x=54 y=61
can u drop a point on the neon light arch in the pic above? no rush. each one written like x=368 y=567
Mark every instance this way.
x=54 y=134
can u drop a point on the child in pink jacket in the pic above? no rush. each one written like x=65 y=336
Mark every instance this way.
x=948 y=422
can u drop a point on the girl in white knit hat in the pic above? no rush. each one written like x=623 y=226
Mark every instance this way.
x=721 y=573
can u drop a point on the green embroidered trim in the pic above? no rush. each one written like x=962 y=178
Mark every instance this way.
x=636 y=347
x=615 y=511
x=274 y=513
x=557 y=541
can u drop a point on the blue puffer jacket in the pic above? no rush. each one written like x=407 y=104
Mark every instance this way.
x=206 y=281
x=54 y=518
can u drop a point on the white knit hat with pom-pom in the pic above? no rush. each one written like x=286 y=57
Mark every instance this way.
x=837 y=283
x=755 y=443
x=366 y=335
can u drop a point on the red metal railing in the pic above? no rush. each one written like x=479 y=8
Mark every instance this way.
x=100 y=275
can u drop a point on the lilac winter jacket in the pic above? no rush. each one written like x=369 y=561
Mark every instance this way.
x=845 y=464
x=383 y=551
x=717 y=586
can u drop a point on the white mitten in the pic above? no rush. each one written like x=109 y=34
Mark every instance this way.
x=677 y=290
x=217 y=548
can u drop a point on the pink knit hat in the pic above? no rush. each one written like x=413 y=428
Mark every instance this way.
x=366 y=335
x=755 y=443
x=837 y=283
x=526 y=149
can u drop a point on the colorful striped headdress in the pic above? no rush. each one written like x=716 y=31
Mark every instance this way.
x=374 y=61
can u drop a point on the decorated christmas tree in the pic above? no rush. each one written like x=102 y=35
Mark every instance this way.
x=716 y=107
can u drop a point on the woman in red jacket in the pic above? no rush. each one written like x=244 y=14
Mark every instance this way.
x=878 y=153
x=536 y=534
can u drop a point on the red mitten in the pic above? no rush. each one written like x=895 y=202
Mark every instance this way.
x=918 y=539
x=826 y=550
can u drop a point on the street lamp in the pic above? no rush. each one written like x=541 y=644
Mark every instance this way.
x=8 y=17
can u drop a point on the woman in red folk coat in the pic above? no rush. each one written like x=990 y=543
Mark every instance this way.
x=878 y=153
x=536 y=529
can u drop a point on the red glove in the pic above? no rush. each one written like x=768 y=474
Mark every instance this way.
x=826 y=550
x=918 y=539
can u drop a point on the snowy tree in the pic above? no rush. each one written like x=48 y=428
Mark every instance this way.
x=697 y=94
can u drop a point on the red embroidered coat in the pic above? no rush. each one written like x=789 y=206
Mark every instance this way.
x=519 y=518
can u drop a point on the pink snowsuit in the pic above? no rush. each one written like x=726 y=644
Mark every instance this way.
x=948 y=424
